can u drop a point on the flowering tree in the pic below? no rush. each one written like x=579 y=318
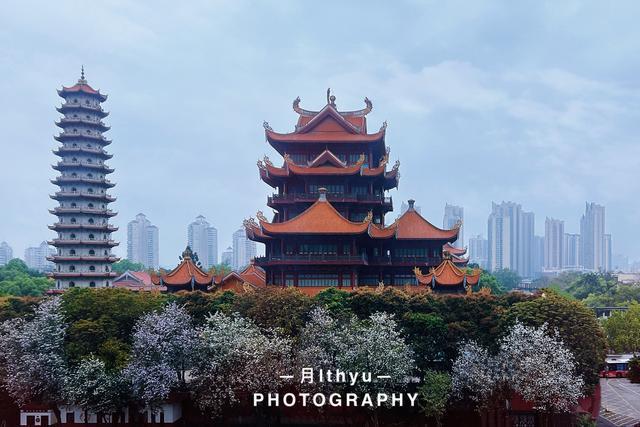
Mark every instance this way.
x=164 y=345
x=32 y=355
x=531 y=361
x=539 y=366
x=94 y=389
x=236 y=358
x=474 y=373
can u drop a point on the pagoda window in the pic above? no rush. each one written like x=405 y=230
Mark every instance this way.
x=346 y=249
x=89 y=161
x=91 y=221
x=72 y=252
x=89 y=146
x=106 y=253
x=75 y=115
x=72 y=284
x=88 y=131
x=404 y=279
x=331 y=188
x=74 y=175
x=92 y=252
x=72 y=268
x=74 y=190
x=298 y=158
x=318 y=279
x=74 y=145
x=72 y=236
x=318 y=249
x=342 y=157
x=86 y=101
x=92 y=268
x=106 y=268
x=346 y=279
x=87 y=116
x=74 y=160
x=89 y=175
x=359 y=189
x=90 y=205
x=290 y=279
x=75 y=130
x=90 y=191
x=289 y=249
x=75 y=100
x=73 y=220
x=410 y=252
x=73 y=204
x=368 y=279
x=92 y=237
x=358 y=216
x=92 y=285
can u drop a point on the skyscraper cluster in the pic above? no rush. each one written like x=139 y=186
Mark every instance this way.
x=244 y=250
x=452 y=215
x=143 y=244
x=512 y=243
x=203 y=240
x=37 y=257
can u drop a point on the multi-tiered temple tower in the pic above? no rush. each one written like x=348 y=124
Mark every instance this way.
x=84 y=241
x=330 y=201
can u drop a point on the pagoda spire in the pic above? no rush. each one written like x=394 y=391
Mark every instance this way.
x=82 y=80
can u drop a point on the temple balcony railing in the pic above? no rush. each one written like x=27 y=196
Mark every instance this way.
x=312 y=259
x=82 y=106
x=408 y=260
x=90 y=120
x=332 y=197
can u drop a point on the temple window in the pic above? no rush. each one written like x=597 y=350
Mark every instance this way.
x=299 y=159
x=331 y=188
x=318 y=279
x=318 y=249
x=410 y=252
x=359 y=189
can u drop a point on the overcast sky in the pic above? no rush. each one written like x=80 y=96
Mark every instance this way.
x=532 y=102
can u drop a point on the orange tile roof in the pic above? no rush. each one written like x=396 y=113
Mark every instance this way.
x=448 y=274
x=411 y=225
x=184 y=273
x=82 y=86
x=319 y=218
x=327 y=157
x=254 y=275
x=454 y=250
x=328 y=125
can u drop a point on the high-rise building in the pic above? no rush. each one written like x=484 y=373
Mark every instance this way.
x=83 y=240
x=6 y=253
x=607 y=260
x=203 y=240
x=453 y=215
x=572 y=258
x=227 y=256
x=538 y=256
x=553 y=244
x=37 y=258
x=478 y=250
x=143 y=244
x=592 y=231
x=510 y=238
x=244 y=250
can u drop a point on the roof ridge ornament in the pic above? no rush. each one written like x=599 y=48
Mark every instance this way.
x=82 y=80
x=261 y=216
x=331 y=99
x=265 y=124
x=368 y=218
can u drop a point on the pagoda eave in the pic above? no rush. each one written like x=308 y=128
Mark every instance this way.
x=66 y=180
x=71 y=242
x=57 y=258
x=62 y=137
x=84 y=89
x=99 y=212
x=92 y=196
x=64 y=108
x=97 y=227
x=84 y=275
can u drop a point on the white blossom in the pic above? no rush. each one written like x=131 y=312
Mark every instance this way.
x=530 y=361
x=164 y=345
x=474 y=373
x=373 y=346
x=32 y=354
x=237 y=358
x=540 y=367
x=94 y=389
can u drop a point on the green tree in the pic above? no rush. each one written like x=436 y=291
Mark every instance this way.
x=427 y=335
x=124 y=265
x=18 y=280
x=575 y=323
x=623 y=330
x=507 y=279
x=434 y=394
x=101 y=322
x=221 y=269
x=282 y=309
x=335 y=301
x=488 y=280
x=199 y=305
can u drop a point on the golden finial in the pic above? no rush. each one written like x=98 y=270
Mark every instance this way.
x=380 y=287
x=417 y=271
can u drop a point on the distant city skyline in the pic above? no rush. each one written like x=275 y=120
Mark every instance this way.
x=202 y=237
x=143 y=242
